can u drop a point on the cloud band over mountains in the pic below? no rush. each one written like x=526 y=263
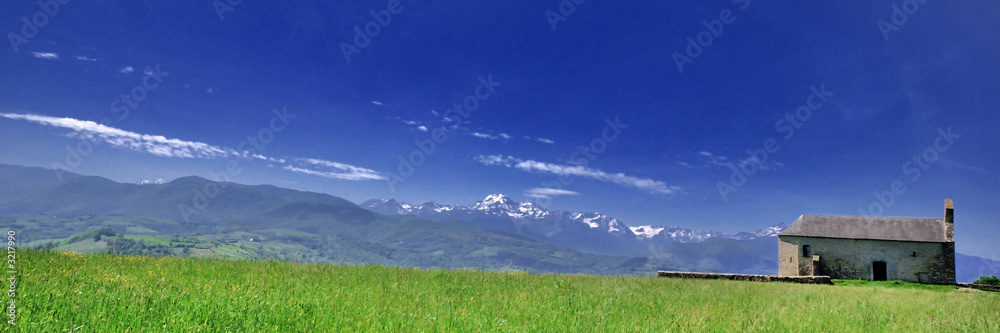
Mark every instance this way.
x=165 y=147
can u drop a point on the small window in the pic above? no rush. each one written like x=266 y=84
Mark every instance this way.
x=914 y=254
x=806 y=251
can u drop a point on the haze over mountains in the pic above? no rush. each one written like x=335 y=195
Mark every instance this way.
x=494 y=233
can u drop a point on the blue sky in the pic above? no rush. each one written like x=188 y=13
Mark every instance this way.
x=580 y=107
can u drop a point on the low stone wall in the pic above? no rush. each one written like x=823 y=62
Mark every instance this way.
x=748 y=277
x=985 y=287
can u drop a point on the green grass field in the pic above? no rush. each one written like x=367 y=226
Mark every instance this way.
x=61 y=292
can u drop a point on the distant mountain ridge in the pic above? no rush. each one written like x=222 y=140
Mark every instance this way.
x=609 y=235
x=321 y=227
x=494 y=232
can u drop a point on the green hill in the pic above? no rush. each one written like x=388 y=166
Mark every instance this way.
x=287 y=224
x=102 y=293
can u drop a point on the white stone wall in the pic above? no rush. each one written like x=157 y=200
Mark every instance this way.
x=852 y=259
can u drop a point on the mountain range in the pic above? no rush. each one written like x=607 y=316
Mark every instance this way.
x=273 y=221
x=585 y=231
x=262 y=221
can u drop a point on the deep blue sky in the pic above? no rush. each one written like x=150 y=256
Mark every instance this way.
x=605 y=61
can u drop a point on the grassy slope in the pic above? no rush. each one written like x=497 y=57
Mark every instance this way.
x=63 y=291
x=390 y=240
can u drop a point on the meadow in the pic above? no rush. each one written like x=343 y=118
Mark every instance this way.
x=64 y=291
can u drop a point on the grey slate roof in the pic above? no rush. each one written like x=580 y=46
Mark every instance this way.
x=910 y=229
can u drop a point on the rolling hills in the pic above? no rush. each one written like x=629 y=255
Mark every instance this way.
x=200 y=217
x=286 y=224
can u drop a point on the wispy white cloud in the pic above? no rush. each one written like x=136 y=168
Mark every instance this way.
x=645 y=184
x=481 y=135
x=127 y=69
x=545 y=193
x=45 y=55
x=484 y=136
x=376 y=102
x=544 y=140
x=717 y=160
x=153 y=144
x=84 y=58
x=162 y=146
x=712 y=159
x=334 y=170
x=422 y=128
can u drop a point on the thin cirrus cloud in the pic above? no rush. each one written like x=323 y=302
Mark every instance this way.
x=153 y=144
x=645 y=184
x=164 y=147
x=480 y=135
x=335 y=170
x=484 y=136
x=545 y=193
x=45 y=55
x=716 y=160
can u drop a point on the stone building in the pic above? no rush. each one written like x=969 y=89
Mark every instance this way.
x=870 y=248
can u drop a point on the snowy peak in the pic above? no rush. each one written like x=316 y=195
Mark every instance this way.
x=499 y=198
x=392 y=207
x=771 y=231
x=530 y=209
x=646 y=231
x=152 y=182
x=389 y=201
x=595 y=220
x=493 y=201
x=434 y=206
x=499 y=204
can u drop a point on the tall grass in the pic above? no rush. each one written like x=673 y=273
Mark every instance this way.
x=59 y=292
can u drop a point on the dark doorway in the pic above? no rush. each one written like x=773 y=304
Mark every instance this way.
x=878 y=271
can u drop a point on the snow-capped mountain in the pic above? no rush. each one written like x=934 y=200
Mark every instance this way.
x=676 y=234
x=152 y=182
x=694 y=236
x=592 y=232
x=393 y=207
x=771 y=231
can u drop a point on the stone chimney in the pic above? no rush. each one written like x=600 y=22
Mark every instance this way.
x=949 y=220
